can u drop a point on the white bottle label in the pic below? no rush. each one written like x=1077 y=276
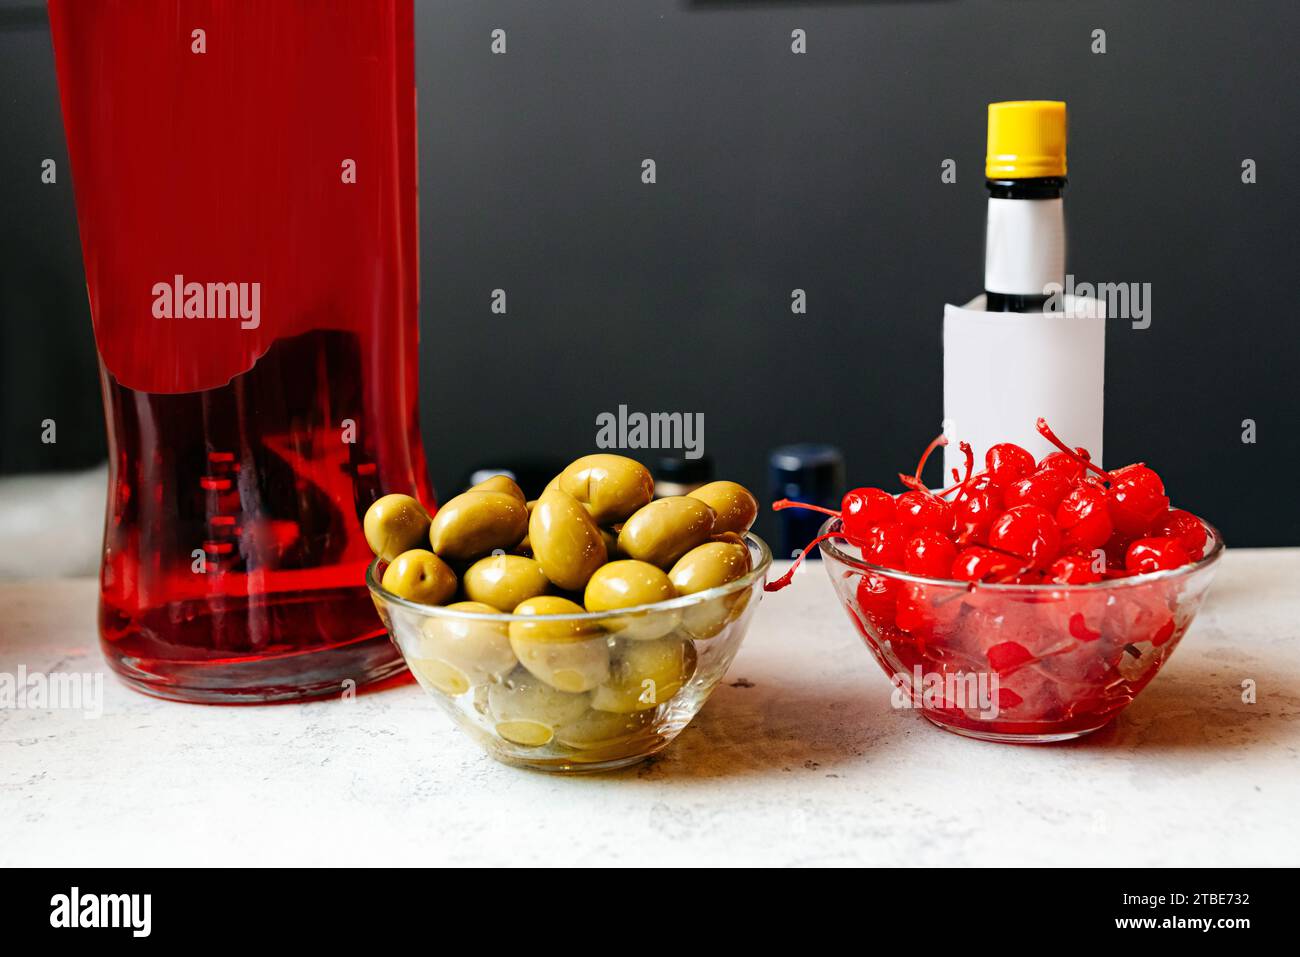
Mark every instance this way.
x=1025 y=246
x=1053 y=365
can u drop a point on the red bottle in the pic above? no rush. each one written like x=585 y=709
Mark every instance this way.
x=245 y=183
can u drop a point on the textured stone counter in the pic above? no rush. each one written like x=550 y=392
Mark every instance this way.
x=797 y=759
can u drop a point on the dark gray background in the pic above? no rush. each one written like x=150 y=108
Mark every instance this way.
x=777 y=171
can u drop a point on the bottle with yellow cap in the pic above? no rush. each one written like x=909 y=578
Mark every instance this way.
x=1024 y=251
x=1024 y=349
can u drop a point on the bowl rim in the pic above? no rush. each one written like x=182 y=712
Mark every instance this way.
x=744 y=582
x=1218 y=546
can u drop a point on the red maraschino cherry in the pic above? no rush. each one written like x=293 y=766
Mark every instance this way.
x=1155 y=555
x=976 y=512
x=1044 y=488
x=1029 y=532
x=1084 y=519
x=1136 y=498
x=884 y=545
x=980 y=564
x=929 y=552
x=1184 y=526
x=1019 y=521
x=1073 y=570
x=860 y=504
x=925 y=510
x=1135 y=495
x=863 y=508
x=1068 y=464
x=877 y=596
x=1007 y=462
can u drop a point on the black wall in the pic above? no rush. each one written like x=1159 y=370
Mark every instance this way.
x=775 y=171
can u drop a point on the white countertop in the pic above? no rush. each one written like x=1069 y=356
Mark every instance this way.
x=797 y=759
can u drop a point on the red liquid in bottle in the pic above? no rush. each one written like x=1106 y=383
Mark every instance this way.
x=245 y=186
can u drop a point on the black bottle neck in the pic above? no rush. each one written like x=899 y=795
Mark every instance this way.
x=1046 y=187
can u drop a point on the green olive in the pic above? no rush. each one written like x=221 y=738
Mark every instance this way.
x=709 y=566
x=565 y=540
x=572 y=666
x=395 y=524
x=707 y=619
x=604 y=729
x=666 y=529
x=733 y=505
x=527 y=711
x=474 y=523
x=570 y=656
x=456 y=654
x=503 y=581
x=539 y=620
x=500 y=483
x=645 y=674
x=627 y=583
x=611 y=486
x=421 y=576
x=624 y=584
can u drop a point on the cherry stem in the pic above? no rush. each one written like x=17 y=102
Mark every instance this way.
x=789 y=575
x=960 y=482
x=939 y=440
x=1046 y=432
x=914 y=483
x=967 y=451
x=952 y=488
x=782 y=504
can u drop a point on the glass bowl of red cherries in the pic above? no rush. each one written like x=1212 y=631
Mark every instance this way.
x=1028 y=602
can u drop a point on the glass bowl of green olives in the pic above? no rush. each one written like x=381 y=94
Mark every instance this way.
x=581 y=631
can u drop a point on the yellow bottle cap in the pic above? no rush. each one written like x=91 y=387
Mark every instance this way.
x=1026 y=139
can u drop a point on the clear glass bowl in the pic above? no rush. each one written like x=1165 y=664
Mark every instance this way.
x=1018 y=663
x=619 y=690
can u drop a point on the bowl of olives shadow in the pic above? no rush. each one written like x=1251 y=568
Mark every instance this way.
x=590 y=642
